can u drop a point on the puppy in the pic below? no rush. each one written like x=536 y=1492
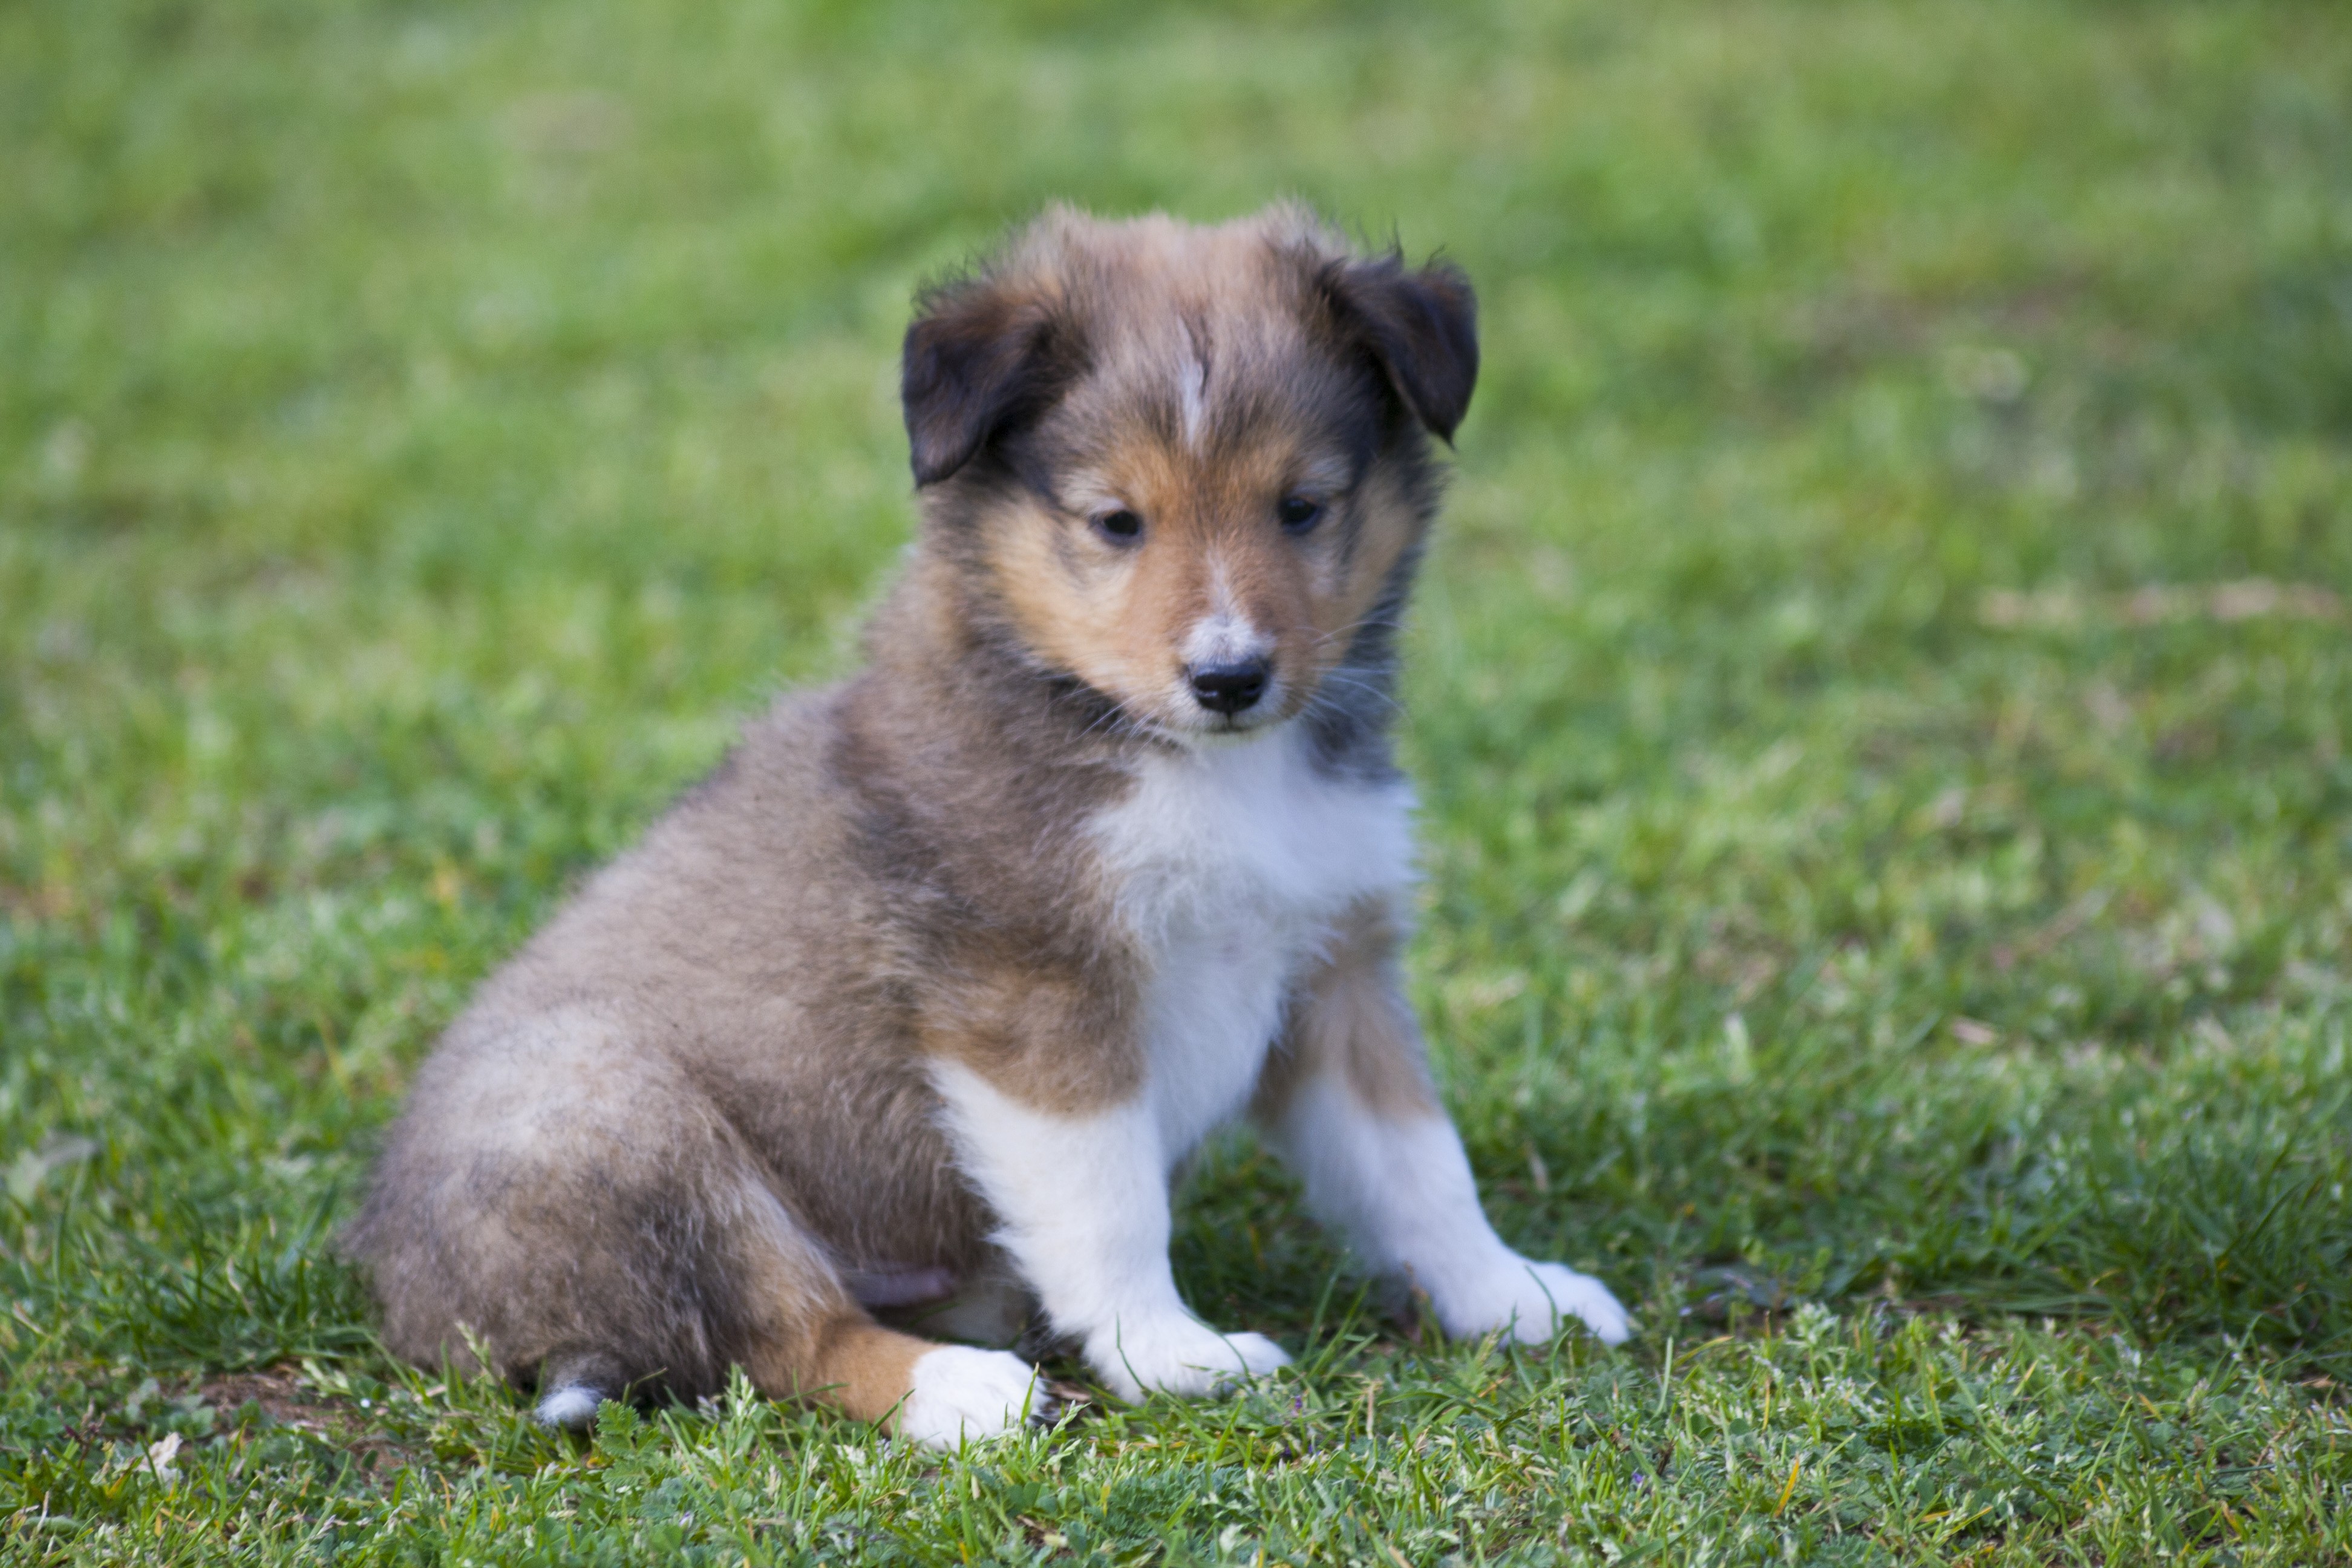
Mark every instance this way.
x=915 y=1004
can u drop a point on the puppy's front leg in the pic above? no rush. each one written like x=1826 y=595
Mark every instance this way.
x=1082 y=1205
x=1347 y=1103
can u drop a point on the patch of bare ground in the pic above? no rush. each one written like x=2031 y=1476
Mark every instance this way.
x=282 y=1396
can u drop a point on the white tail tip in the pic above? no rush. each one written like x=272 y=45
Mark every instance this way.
x=571 y=1407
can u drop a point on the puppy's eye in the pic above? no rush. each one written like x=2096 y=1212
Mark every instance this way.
x=1119 y=525
x=1298 y=513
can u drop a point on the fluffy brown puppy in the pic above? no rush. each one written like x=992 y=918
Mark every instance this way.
x=915 y=1004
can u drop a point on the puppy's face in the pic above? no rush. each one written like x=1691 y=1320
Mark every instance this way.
x=1198 y=534
x=1188 y=462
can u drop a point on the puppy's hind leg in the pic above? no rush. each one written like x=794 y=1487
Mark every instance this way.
x=802 y=1337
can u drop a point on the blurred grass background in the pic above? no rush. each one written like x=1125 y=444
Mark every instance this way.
x=1880 y=701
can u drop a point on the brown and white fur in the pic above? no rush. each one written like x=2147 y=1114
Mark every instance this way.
x=917 y=1003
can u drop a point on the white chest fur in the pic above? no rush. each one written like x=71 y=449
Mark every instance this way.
x=1232 y=864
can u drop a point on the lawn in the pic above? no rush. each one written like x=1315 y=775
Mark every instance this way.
x=1880 y=702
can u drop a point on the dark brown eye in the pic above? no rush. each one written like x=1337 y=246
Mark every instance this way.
x=1119 y=526
x=1298 y=513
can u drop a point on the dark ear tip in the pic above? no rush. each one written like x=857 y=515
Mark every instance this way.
x=1423 y=322
x=1444 y=272
x=980 y=353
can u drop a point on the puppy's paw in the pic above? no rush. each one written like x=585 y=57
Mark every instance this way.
x=957 y=1392
x=1529 y=1301
x=1182 y=1356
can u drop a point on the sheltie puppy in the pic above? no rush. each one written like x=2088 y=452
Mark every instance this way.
x=914 y=1006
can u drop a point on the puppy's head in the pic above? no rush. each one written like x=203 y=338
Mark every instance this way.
x=1189 y=465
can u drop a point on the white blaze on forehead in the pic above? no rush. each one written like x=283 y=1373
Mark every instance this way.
x=1193 y=394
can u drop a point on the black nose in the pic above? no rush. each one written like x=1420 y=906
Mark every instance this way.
x=1229 y=687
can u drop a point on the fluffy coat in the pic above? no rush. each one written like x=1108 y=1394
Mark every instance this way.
x=911 y=1009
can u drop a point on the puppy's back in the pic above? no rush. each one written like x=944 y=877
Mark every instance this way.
x=714 y=1008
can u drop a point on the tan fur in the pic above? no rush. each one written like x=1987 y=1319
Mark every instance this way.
x=663 y=1138
x=858 y=1366
x=1026 y=1027
x=1349 y=1016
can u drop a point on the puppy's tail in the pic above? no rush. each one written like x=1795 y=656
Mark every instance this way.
x=571 y=1387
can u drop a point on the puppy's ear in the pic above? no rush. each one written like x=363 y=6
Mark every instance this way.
x=1420 y=325
x=981 y=356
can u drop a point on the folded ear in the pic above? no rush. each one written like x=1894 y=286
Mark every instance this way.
x=981 y=356
x=1423 y=327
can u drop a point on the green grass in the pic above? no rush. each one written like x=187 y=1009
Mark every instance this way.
x=1909 y=961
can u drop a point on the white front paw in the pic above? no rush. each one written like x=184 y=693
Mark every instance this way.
x=1180 y=1355
x=957 y=1392
x=1529 y=1300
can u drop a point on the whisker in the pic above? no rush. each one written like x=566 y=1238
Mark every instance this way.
x=1360 y=684
x=1350 y=630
